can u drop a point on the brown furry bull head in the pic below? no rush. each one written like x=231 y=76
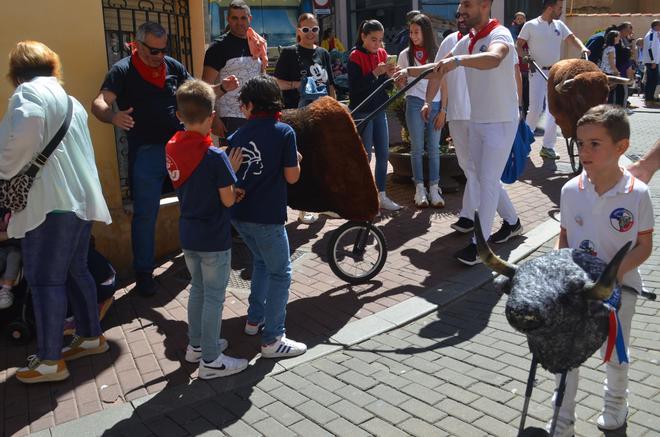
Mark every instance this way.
x=335 y=173
x=574 y=87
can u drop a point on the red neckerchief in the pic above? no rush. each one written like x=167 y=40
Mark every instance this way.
x=420 y=54
x=259 y=115
x=155 y=76
x=459 y=36
x=487 y=29
x=183 y=153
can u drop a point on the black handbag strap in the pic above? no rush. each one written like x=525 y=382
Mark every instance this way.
x=42 y=157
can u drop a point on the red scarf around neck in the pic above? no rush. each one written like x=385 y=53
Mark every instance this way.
x=420 y=54
x=484 y=32
x=155 y=76
x=183 y=153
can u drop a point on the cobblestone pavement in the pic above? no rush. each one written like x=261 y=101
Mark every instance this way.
x=461 y=371
x=145 y=367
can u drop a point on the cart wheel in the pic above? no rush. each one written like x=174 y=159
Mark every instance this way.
x=357 y=252
x=576 y=165
x=19 y=332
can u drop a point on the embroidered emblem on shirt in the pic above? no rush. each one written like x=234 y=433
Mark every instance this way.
x=483 y=48
x=557 y=32
x=578 y=220
x=622 y=220
x=588 y=247
x=419 y=54
x=252 y=157
x=172 y=168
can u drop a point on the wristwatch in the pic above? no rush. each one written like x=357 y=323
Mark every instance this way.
x=224 y=91
x=457 y=61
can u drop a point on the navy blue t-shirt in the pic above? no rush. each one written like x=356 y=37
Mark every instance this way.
x=268 y=147
x=204 y=225
x=154 y=109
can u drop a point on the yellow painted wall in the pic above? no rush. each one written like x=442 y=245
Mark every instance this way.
x=74 y=29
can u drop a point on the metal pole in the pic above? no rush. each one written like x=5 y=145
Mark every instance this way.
x=528 y=392
x=558 y=402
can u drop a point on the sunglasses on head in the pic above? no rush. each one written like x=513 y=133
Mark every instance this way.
x=314 y=29
x=155 y=51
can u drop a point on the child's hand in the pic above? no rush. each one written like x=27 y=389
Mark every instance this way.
x=230 y=83
x=380 y=69
x=390 y=69
x=239 y=193
x=236 y=158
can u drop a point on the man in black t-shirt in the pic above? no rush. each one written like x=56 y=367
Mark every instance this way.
x=230 y=55
x=143 y=86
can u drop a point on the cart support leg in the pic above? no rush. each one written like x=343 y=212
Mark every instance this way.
x=528 y=392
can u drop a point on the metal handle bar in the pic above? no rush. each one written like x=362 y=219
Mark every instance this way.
x=369 y=117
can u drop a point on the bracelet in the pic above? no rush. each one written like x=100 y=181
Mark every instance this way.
x=457 y=61
x=222 y=88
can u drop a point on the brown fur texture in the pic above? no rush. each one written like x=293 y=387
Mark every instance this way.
x=589 y=89
x=335 y=173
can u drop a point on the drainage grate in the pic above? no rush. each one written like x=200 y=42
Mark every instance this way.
x=241 y=267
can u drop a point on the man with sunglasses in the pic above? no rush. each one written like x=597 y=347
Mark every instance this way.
x=231 y=54
x=143 y=86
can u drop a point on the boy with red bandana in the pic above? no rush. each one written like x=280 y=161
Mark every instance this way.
x=204 y=181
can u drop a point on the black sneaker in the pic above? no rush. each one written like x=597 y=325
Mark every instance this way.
x=468 y=255
x=506 y=232
x=145 y=284
x=463 y=225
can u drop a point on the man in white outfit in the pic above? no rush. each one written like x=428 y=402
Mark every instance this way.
x=489 y=57
x=544 y=36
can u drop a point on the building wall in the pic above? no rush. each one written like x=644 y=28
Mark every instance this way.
x=84 y=61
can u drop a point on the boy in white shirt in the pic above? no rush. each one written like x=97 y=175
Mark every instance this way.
x=601 y=210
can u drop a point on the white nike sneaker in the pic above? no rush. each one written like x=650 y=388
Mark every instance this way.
x=194 y=353
x=421 y=201
x=435 y=194
x=387 y=203
x=221 y=366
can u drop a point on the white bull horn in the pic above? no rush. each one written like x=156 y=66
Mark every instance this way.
x=563 y=84
x=602 y=289
x=491 y=260
x=616 y=80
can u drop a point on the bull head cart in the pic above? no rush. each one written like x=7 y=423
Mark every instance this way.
x=335 y=176
x=574 y=87
x=563 y=302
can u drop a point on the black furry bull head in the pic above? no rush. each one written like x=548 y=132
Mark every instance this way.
x=556 y=300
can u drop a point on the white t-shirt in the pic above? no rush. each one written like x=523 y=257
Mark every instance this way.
x=601 y=225
x=493 y=93
x=652 y=43
x=605 y=61
x=544 y=39
x=458 y=102
x=419 y=89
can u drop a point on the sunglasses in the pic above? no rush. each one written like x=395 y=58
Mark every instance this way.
x=314 y=29
x=155 y=51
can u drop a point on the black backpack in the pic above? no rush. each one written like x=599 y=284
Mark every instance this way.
x=596 y=45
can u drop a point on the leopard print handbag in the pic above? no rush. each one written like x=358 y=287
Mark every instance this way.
x=14 y=192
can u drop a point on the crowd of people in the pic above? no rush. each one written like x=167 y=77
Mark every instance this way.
x=221 y=143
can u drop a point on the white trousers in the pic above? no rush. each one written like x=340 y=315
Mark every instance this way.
x=490 y=147
x=459 y=130
x=615 y=385
x=538 y=94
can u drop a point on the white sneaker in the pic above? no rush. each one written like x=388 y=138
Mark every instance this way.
x=194 y=354
x=565 y=427
x=6 y=298
x=221 y=366
x=421 y=201
x=251 y=329
x=435 y=194
x=283 y=347
x=613 y=416
x=387 y=203
x=307 y=218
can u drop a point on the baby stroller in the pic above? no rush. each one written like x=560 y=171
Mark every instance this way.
x=19 y=319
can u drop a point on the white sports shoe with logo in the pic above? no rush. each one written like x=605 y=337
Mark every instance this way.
x=283 y=348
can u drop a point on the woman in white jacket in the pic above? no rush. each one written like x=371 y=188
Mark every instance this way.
x=64 y=200
x=424 y=117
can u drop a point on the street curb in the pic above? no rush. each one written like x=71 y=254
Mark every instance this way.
x=434 y=298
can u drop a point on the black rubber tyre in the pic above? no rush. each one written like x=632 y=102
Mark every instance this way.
x=574 y=156
x=19 y=332
x=357 y=252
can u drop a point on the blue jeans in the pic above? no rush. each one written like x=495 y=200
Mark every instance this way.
x=271 y=276
x=54 y=251
x=209 y=273
x=148 y=175
x=419 y=131
x=375 y=135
